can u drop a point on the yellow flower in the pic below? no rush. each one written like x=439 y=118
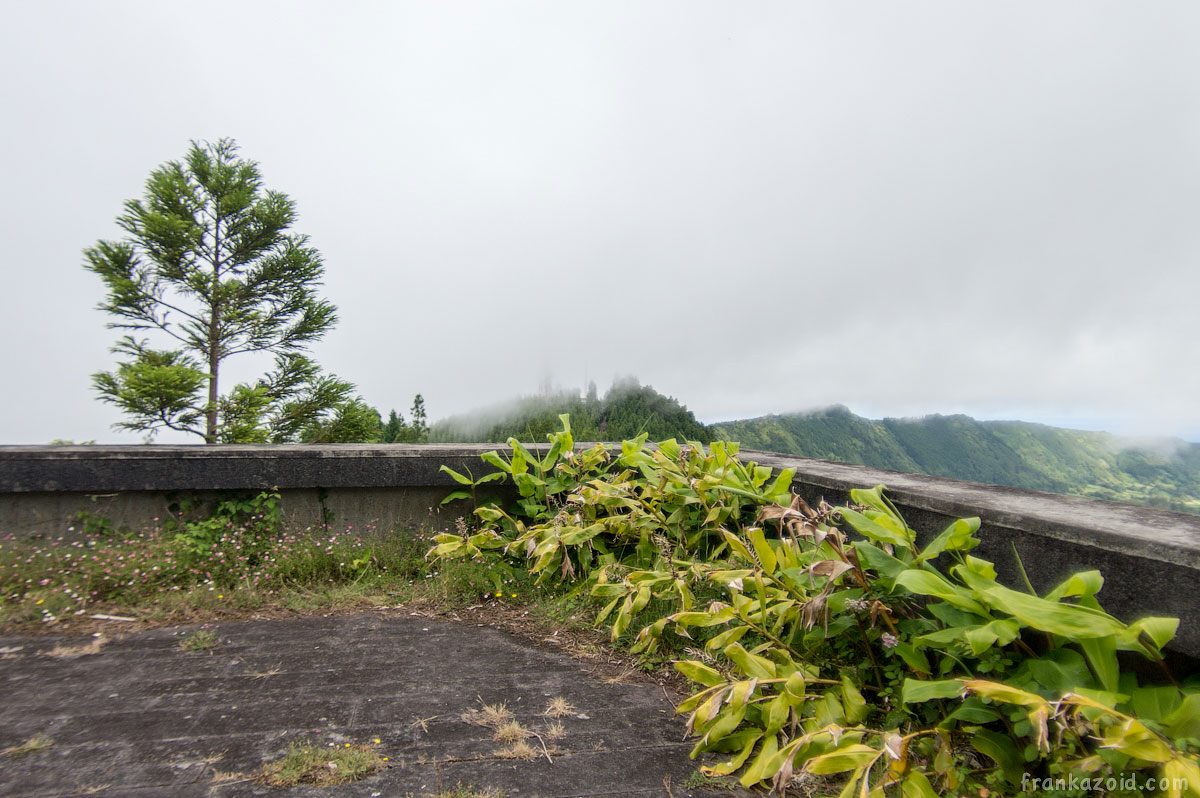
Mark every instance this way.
x=41 y=601
x=347 y=745
x=377 y=740
x=513 y=595
x=220 y=596
x=385 y=759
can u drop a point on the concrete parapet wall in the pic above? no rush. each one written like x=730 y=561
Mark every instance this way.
x=1150 y=558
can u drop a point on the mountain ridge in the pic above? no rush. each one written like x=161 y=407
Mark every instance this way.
x=1161 y=473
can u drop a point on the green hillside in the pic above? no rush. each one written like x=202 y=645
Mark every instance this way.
x=1022 y=455
x=625 y=411
x=1095 y=464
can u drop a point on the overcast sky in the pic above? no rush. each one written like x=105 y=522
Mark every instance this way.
x=907 y=208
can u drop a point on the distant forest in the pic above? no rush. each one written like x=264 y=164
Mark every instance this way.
x=1165 y=474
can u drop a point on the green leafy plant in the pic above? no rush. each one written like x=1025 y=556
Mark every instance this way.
x=200 y=640
x=38 y=742
x=90 y=524
x=305 y=763
x=825 y=651
x=253 y=519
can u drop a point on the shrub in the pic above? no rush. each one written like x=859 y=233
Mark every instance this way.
x=821 y=650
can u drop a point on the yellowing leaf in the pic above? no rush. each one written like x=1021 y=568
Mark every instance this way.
x=699 y=672
x=762 y=548
x=846 y=758
x=1004 y=693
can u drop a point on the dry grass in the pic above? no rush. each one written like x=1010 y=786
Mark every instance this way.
x=558 y=707
x=490 y=715
x=622 y=677
x=422 y=723
x=518 y=750
x=554 y=731
x=267 y=673
x=510 y=732
x=38 y=742
x=471 y=791
x=93 y=646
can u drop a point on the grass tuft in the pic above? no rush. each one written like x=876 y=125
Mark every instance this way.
x=510 y=732
x=38 y=742
x=81 y=650
x=490 y=715
x=518 y=750
x=554 y=731
x=558 y=708
x=305 y=763
x=200 y=640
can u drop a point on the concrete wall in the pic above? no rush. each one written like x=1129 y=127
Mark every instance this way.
x=42 y=488
x=1150 y=558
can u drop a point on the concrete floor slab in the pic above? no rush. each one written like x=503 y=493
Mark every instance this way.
x=140 y=716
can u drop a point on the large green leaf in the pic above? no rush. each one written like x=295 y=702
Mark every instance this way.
x=928 y=583
x=916 y=785
x=1101 y=653
x=1001 y=750
x=1067 y=620
x=750 y=664
x=853 y=703
x=455 y=495
x=699 y=672
x=1084 y=583
x=874 y=529
x=1184 y=720
x=958 y=536
x=916 y=690
x=457 y=477
x=1060 y=671
x=765 y=764
x=766 y=554
x=878 y=560
x=843 y=759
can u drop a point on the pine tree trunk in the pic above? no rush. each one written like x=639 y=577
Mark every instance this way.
x=210 y=426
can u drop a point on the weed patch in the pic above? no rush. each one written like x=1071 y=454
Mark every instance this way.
x=200 y=640
x=241 y=558
x=305 y=763
x=38 y=742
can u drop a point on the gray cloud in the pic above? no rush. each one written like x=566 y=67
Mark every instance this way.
x=935 y=207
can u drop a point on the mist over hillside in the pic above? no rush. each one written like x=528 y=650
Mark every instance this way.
x=1158 y=473
x=626 y=410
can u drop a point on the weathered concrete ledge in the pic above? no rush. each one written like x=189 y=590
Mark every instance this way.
x=1150 y=558
x=43 y=488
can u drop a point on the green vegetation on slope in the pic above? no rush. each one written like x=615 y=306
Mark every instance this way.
x=1014 y=453
x=626 y=410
